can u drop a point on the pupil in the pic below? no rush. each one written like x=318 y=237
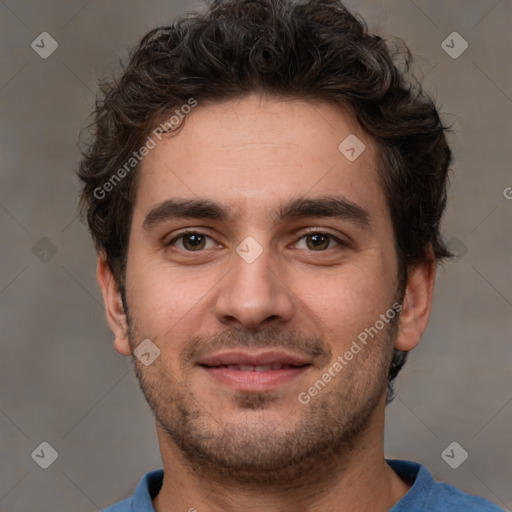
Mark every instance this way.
x=194 y=240
x=318 y=240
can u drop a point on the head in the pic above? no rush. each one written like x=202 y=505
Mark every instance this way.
x=231 y=124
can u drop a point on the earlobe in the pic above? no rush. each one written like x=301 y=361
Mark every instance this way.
x=114 y=308
x=417 y=304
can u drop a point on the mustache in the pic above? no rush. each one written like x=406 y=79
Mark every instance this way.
x=312 y=346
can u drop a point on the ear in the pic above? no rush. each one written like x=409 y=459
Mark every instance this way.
x=116 y=316
x=417 y=303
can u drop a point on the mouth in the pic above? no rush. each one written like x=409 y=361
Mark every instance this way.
x=254 y=372
x=255 y=368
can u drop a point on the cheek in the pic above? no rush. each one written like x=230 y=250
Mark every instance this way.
x=347 y=301
x=160 y=297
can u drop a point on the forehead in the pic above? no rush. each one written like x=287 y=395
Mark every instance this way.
x=255 y=153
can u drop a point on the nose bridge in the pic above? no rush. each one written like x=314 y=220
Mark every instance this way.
x=253 y=292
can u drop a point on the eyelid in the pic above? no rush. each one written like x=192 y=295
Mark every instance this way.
x=188 y=231
x=322 y=231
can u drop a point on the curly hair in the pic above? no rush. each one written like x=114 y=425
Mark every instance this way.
x=316 y=50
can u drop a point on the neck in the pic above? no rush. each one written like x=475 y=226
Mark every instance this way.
x=354 y=480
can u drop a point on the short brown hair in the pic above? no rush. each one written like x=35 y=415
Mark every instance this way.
x=315 y=50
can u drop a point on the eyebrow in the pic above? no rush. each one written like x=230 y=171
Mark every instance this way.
x=325 y=206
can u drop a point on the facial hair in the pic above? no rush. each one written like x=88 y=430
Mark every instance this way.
x=258 y=452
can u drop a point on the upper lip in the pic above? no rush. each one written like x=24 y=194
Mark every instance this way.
x=254 y=359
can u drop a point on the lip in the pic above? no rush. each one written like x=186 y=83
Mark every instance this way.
x=254 y=381
x=254 y=358
x=217 y=368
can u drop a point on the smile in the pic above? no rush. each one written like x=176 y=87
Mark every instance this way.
x=257 y=368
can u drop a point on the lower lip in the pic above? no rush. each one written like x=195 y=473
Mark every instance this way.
x=254 y=381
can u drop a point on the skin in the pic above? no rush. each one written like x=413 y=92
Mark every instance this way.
x=227 y=450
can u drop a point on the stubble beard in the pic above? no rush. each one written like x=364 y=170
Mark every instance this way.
x=310 y=440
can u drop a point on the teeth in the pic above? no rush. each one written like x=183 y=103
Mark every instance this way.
x=265 y=368
x=260 y=368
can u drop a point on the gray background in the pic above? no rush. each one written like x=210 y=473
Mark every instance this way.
x=61 y=380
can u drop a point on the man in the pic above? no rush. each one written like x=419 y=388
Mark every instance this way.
x=265 y=190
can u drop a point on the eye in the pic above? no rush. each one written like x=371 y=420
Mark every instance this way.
x=194 y=241
x=320 y=241
x=191 y=241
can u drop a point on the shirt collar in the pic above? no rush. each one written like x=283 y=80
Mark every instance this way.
x=411 y=472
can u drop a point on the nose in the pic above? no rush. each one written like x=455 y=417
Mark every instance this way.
x=254 y=294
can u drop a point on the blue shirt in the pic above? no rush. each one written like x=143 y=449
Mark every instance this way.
x=425 y=495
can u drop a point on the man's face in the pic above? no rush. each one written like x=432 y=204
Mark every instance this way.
x=250 y=310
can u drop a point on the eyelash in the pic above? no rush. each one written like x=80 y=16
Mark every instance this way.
x=309 y=233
